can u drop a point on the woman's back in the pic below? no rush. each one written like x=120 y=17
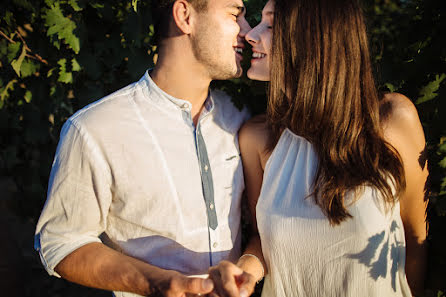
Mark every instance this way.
x=306 y=256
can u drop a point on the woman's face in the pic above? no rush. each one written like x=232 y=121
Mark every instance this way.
x=260 y=37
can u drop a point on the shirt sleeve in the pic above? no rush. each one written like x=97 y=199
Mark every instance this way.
x=78 y=200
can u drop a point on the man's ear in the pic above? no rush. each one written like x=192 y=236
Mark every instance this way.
x=182 y=11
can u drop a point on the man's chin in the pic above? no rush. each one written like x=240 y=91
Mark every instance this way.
x=239 y=72
x=235 y=73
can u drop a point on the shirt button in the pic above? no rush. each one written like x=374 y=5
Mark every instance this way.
x=211 y=206
x=215 y=245
x=206 y=167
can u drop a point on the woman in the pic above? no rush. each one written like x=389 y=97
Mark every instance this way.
x=334 y=175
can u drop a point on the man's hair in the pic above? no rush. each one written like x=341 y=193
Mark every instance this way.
x=322 y=89
x=162 y=15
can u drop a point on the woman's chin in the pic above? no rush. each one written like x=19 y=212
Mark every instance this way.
x=256 y=75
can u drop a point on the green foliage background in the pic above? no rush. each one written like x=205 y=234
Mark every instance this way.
x=56 y=56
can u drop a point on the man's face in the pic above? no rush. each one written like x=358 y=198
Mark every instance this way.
x=218 y=38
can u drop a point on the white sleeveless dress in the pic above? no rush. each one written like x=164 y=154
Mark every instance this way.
x=305 y=255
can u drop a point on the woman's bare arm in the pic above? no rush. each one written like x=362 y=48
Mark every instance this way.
x=402 y=129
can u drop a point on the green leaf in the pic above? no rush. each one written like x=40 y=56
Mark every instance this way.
x=64 y=76
x=17 y=63
x=28 y=96
x=13 y=49
x=9 y=17
x=4 y=92
x=25 y=4
x=442 y=146
x=3 y=48
x=391 y=87
x=29 y=67
x=75 y=65
x=61 y=26
x=135 y=5
x=50 y=72
x=442 y=163
x=428 y=92
x=74 y=5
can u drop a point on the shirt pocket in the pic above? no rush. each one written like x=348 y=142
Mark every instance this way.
x=228 y=177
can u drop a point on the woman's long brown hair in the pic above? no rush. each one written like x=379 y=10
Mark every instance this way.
x=322 y=88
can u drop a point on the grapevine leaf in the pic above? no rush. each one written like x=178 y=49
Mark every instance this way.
x=17 y=63
x=442 y=146
x=135 y=5
x=442 y=163
x=29 y=67
x=50 y=72
x=74 y=5
x=4 y=92
x=64 y=76
x=75 y=65
x=391 y=87
x=28 y=96
x=428 y=92
x=3 y=48
x=8 y=18
x=25 y=4
x=13 y=49
x=58 y=24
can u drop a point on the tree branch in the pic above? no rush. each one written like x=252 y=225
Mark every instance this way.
x=32 y=55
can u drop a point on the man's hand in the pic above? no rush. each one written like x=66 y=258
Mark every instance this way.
x=231 y=281
x=175 y=284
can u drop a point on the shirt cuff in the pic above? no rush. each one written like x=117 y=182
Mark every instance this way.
x=52 y=252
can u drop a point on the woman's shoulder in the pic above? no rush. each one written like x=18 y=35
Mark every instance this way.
x=399 y=115
x=396 y=108
x=254 y=129
x=399 y=119
x=254 y=135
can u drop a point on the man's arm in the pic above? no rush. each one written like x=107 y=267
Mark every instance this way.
x=75 y=213
x=98 y=266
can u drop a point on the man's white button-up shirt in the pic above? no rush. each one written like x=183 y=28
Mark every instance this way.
x=127 y=173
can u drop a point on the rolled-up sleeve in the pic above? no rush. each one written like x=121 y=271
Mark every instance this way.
x=78 y=200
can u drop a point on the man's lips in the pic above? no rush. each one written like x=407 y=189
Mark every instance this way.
x=239 y=52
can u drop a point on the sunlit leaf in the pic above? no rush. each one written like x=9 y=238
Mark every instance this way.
x=74 y=5
x=429 y=91
x=4 y=92
x=13 y=49
x=61 y=26
x=29 y=67
x=75 y=65
x=17 y=63
x=28 y=96
x=135 y=4
x=64 y=76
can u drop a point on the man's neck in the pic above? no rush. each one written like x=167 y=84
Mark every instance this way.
x=181 y=77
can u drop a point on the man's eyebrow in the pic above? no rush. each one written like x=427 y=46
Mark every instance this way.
x=239 y=7
x=269 y=13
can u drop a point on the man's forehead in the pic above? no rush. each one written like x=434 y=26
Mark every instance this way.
x=229 y=4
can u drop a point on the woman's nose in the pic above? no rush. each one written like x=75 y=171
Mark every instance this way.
x=252 y=36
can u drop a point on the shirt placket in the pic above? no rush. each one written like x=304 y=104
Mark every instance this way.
x=206 y=180
x=208 y=191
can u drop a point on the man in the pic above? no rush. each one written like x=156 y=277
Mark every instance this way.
x=146 y=183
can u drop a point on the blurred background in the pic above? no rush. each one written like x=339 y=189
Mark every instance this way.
x=56 y=56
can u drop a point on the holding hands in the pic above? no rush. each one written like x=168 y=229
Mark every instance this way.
x=175 y=284
x=231 y=281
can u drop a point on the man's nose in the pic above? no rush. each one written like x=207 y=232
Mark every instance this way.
x=244 y=27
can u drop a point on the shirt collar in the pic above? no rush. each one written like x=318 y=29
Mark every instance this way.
x=157 y=94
